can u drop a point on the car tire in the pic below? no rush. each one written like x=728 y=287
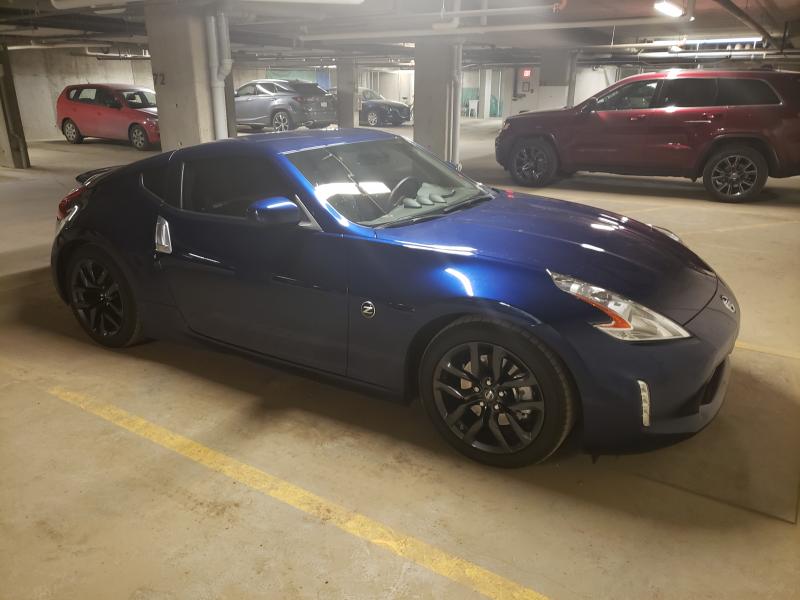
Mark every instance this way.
x=71 y=132
x=138 y=137
x=533 y=162
x=282 y=121
x=102 y=299
x=533 y=420
x=736 y=173
x=373 y=118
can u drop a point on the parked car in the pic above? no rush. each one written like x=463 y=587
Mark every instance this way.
x=730 y=128
x=284 y=105
x=359 y=255
x=375 y=110
x=111 y=111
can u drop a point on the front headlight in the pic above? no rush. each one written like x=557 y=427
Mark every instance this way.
x=630 y=321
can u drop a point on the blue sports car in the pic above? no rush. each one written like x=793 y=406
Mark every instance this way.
x=360 y=255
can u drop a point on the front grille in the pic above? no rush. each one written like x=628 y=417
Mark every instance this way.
x=705 y=395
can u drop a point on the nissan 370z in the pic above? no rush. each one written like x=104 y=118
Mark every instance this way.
x=360 y=255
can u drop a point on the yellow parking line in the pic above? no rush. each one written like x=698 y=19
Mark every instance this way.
x=438 y=561
x=767 y=350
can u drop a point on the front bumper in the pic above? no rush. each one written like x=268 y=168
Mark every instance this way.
x=502 y=148
x=687 y=380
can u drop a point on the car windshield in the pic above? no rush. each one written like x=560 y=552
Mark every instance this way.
x=371 y=95
x=139 y=98
x=385 y=183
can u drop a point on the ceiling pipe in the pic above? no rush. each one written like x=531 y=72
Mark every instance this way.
x=737 y=12
x=73 y=4
x=55 y=46
x=478 y=30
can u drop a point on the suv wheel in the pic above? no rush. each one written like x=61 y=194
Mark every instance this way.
x=373 y=118
x=735 y=174
x=496 y=393
x=533 y=162
x=281 y=121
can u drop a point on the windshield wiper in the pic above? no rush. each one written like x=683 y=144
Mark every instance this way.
x=468 y=202
x=411 y=220
x=351 y=176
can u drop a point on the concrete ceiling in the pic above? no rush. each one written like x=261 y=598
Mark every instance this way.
x=286 y=32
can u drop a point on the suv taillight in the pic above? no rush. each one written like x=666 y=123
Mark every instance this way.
x=69 y=201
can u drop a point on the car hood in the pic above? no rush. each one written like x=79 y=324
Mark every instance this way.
x=150 y=112
x=600 y=247
x=388 y=103
x=545 y=115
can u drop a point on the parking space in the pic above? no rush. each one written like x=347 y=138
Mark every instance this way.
x=99 y=488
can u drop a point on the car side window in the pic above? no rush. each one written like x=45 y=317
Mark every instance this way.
x=104 y=97
x=155 y=179
x=267 y=88
x=689 y=92
x=229 y=185
x=87 y=95
x=73 y=93
x=745 y=92
x=247 y=90
x=633 y=96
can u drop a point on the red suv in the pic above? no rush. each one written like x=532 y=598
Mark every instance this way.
x=732 y=128
x=112 y=111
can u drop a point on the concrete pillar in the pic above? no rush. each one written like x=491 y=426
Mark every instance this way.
x=177 y=41
x=554 y=79
x=13 y=148
x=484 y=93
x=437 y=96
x=506 y=92
x=230 y=105
x=573 y=78
x=346 y=93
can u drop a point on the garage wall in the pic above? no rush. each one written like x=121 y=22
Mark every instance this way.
x=40 y=75
x=593 y=79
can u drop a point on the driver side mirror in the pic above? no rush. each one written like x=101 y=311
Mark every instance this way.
x=276 y=210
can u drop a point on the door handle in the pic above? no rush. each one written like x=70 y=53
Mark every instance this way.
x=638 y=117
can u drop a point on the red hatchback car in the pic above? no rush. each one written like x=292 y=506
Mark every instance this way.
x=111 y=111
x=732 y=128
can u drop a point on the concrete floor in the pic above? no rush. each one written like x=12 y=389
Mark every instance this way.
x=91 y=510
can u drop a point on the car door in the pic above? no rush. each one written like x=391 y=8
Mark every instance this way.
x=686 y=119
x=85 y=112
x=279 y=290
x=262 y=102
x=243 y=103
x=610 y=133
x=115 y=117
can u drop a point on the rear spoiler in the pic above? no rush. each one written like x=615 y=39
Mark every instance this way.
x=83 y=178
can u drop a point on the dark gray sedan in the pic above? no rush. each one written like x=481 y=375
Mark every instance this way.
x=284 y=105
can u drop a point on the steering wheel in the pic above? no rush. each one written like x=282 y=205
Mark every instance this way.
x=400 y=191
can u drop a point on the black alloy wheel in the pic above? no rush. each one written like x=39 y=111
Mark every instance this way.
x=533 y=163
x=101 y=299
x=496 y=393
x=735 y=174
x=489 y=398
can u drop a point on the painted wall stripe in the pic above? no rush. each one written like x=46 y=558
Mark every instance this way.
x=438 y=561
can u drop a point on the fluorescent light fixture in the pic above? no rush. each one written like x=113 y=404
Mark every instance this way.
x=669 y=8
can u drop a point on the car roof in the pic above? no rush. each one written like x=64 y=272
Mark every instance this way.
x=292 y=141
x=707 y=73
x=111 y=86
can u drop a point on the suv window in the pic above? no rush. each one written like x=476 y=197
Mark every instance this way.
x=742 y=92
x=636 y=95
x=267 y=88
x=307 y=89
x=86 y=95
x=247 y=90
x=228 y=186
x=689 y=92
